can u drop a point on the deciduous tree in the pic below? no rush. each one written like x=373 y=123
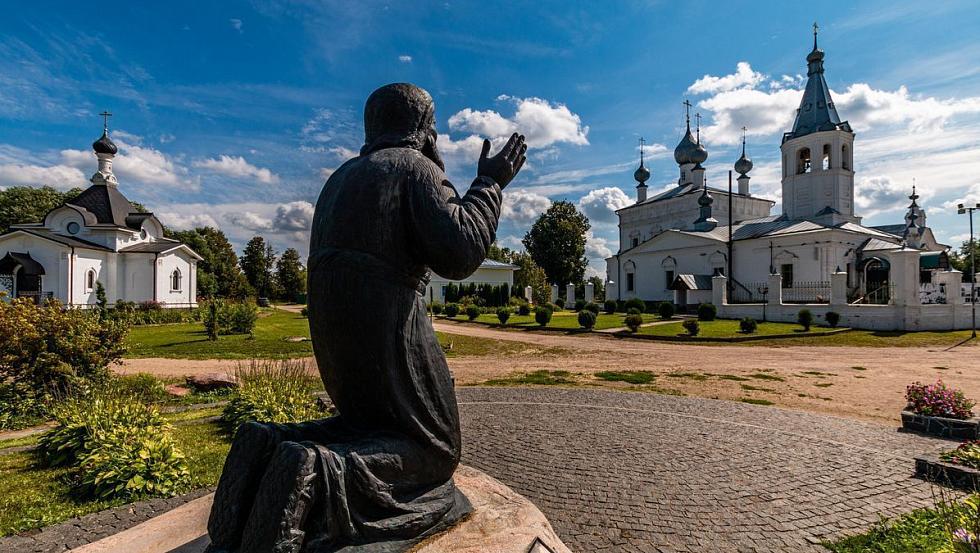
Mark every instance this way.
x=556 y=243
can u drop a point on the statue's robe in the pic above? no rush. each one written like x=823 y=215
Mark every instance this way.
x=381 y=469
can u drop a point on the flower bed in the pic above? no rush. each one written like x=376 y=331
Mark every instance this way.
x=959 y=468
x=939 y=410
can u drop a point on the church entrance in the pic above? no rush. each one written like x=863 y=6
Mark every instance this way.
x=876 y=281
x=20 y=276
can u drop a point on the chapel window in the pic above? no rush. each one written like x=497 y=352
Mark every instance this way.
x=803 y=161
x=786 y=270
x=843 y=158
x=668 y=278
x=90 y=279
x=635 y=241
x=826 y=157
x=630 y=282
x=175 y=280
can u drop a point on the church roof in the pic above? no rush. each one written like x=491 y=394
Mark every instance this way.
x=61 y=239
x=894 y=230
x=683 y=190
x=494 y=264
x=817 y=111
x=108 y=205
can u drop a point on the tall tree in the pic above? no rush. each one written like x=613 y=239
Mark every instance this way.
x=257 y=262
x=27 y=204
x=497 y=253
x=963 y=260
x=218 y=273
x=290 y=274
x=556 y=243
x=529 y=274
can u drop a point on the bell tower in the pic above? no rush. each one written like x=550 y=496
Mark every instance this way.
x=818 y=167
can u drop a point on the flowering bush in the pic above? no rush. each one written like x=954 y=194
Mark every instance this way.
x=967 y=454
x=937 y=400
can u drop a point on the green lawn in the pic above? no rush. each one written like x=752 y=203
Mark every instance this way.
x=920 y=531
x=32 y=496
x=727 y=329
x=560 y=319
x=188 y=341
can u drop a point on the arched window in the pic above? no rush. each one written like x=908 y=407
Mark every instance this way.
x=90 y=279
x=175 y=280
x=803 y=161
x=826 y=157
x=844 y=163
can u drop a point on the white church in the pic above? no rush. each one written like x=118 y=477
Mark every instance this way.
x=98 y=237
x=695 y=243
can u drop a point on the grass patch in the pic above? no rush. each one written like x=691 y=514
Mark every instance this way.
x=535 y=378
x=824 y=384
x=693 y=376
x=632 y=377
x=755 y=401
x=457 y=345
x=920 y=531
x=766 y=376
x=858 y=368
x=734 y=377
x=751 y=388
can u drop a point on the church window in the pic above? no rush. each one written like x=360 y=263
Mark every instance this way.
x=630 y=282
x=786 y=270
x=668 y=278
x=719 y=271
x=175 y=280
x=143 y=234
x=73 y=228
x=844 y=163
x=634 y=241
x=90 y=279
x=826 y=157
x=803 y=161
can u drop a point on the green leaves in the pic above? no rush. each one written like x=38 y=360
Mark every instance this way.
x=274 y=391
x=556 y=243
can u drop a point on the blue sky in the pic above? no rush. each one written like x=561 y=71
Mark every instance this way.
x=232 y=113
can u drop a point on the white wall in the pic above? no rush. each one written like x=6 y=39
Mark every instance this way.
x=52 y=256
x=187 y=293
x=484 y=275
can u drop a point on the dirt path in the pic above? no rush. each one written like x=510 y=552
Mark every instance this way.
x=864 y=383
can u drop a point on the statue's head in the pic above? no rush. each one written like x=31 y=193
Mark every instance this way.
x=401 y=115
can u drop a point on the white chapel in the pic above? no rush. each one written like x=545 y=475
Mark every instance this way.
x=673 y=244
x=98 y=237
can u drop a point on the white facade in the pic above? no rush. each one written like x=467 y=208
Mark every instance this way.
x=98 y=238
x=490 y=272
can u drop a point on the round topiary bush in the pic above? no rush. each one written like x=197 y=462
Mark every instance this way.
x=692 y=327
x=503 y=314
x=707 y=312
x=579 y=305
x=452 y=310
x=636 y=303
x=436 y=308
x=633 y=311
x=586 y=319
x=559 y=304
x=593 y=307
x=609 y=307
x=633 y=321
x=542 y=316
x=805 y=318
x=665 y=310
x=524 y=309
x=748 y=325
x=472 y=312
x=833 y=318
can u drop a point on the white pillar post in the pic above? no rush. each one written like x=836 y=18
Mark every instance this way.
x=554 y=293
x=775 y=289
x=838 y=288
x=719 y=290
x=528 y=294
x=589 y=292
x=569 y=296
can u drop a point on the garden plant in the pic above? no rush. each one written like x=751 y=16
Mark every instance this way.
x=938 y=400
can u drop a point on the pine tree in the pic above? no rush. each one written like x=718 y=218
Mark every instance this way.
x=255 y=265
x=290 y=274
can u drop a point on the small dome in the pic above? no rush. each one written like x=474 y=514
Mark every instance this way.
x=815 y=55
x=104 y=145
x=743 y=165
x=642 y=175
x=689 y=151
x=705 y=200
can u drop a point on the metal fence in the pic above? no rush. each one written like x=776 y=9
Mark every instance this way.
x=807 y=292
x=748 y=292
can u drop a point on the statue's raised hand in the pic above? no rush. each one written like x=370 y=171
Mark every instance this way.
x=504 y=166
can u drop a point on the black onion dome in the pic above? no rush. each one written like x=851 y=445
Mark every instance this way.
x=705 y=199
x=104 y=145
x=743 y=165
x=687 y=150
x=642 y=174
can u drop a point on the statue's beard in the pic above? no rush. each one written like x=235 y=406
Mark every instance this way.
x=430 y=151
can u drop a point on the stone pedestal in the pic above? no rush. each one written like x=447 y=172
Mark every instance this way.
x=589 y=292
x=569 y=296
x=554 y=293
x=502 y=522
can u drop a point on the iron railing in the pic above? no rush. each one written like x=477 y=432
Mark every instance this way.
x=817 y=291
x=881 y=295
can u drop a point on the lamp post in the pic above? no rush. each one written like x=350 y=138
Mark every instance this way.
x=961 y=209
x=764 y=290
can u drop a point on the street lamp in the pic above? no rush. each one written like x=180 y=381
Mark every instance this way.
x=961 y=209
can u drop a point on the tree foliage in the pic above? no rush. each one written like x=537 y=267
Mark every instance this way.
x=290 y=274
x=218 y=273
x=963 y=260
x=27 y=204
x=556 y=243
x=530 y=274
x=258 y=263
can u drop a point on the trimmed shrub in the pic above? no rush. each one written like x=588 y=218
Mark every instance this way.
x=238 y=318
x=593 y=307
x=938 y=400
x=833 y=318
x=542 y=316
x=436 y=308
x=524 y=309
x=503 y=314
x=305 y=312
x=748 y=325
x=633 y=321
x=707 y=312
x=579 y=305
x=636 y=303
x=634 y=311
x=586 y=319
x=805 y=318
x=609 y=307
x=116 y=445
x=666 y=310
x=472 y=312
x=692 y=327
x=452 y=310
x=559 y=304
x=273 y=391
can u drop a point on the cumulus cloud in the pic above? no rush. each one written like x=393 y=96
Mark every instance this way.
x=136 y=164
x=867 y=107
x=325 y=172
x=293 y=217
x=523 y=206
x=600 y=205
x=61 y=177
x=543 y=123
x=880 y=193
x=743 y=77
x=249 y=220
x=236 y=166
x=487 y=123
x=404 y=58
x=343 y=153
x=182 y=221
x=596 y=247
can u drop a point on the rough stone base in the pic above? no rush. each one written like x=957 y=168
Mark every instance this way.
x=933 y=469
x=502 y=522
x=942 y=427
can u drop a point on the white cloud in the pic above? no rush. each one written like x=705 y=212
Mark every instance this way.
x=236 y=166
x=404 y=58
x=874 y=194
x=523 y=206
x=763 y=113
x=596 y=247
x=866 y=107
x=294 y=217
x=325 y=172
x=600 y=205
x=543 y=123
x=180 y=221
x=136 y=164
x=62 y=177
x=236 y=24
x=487 y=123
x=743 y=77
x=249 y=220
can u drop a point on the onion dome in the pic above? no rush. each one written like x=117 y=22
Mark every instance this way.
x=687 y=150
x=642 y=174
x=743 y=165
x=104 y=144
x=705 y=200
